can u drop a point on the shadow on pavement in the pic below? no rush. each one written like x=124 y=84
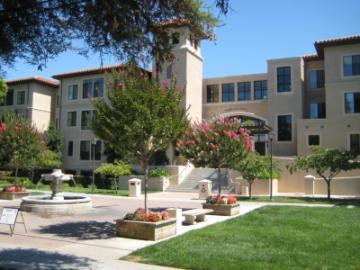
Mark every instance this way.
x=83 y=230
x=32 y=259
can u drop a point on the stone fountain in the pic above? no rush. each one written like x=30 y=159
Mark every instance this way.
x=57 y=204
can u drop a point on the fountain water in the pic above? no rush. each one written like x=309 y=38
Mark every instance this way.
x=57 y=204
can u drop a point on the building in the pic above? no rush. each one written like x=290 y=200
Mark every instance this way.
x=33 y=98
x=307 y=100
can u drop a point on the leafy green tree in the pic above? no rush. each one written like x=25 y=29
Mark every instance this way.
x=327 y=163
x=3 y=90
x=140 y=116
x=255 y=166
x=49 y=159
x=217 y=144
x=53 y=139
x=20 y=142
x=114 y=170
x=39 y=30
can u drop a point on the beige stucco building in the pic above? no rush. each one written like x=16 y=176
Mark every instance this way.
x=306 y=100
x=34 y=99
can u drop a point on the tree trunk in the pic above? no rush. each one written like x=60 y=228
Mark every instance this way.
x=250 y=188
x=328 y=188
x=16 y=175
x=146 y=180
x=219 y=180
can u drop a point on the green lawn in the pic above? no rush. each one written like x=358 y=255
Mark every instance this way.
x=339 y=202
x=273 y=237
x=77 y=189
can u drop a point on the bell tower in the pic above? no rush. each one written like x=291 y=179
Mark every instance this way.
x=186 y=67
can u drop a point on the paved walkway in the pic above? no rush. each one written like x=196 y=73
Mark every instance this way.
x=88 y=241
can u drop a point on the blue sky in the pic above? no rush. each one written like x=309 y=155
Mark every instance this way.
x=253 y=31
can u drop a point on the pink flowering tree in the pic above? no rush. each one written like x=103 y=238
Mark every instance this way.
x=139 y=117
x=20 y=143
x=217 y=144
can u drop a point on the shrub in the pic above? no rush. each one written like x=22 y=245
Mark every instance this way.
x=158 y=172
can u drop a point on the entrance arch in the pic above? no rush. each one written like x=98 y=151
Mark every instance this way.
x=259 y=131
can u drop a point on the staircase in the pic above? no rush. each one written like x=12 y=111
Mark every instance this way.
x=190 y=183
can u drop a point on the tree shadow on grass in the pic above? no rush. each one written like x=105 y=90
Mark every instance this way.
x=83 y=230
x=33 y=259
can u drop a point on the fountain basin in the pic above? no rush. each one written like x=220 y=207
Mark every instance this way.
x=46 y=207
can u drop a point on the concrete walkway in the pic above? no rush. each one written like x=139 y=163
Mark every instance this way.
x=88 y=241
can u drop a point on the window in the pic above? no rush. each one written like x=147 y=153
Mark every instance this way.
x=212 y=93
x=93 y=88
x=355 y=143
x=316 y=79
x=284 y=127
x=352 y=102
x=351 y=65
x=169 y=72
x=175 y=38
x=227 y=92
x=71 y=119
x=97 y=149
x=9 y=97
x=283 y=79
x=317 y=110
x=244 y=91
x=86 y=117
x=20 y=98
x=313 y=140
x=73 y=92
x=260 y=89
x=84 y=150
x=70 y=148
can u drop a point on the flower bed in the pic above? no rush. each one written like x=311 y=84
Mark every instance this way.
x=151 y=226
x=13 y=192
x=222 y=205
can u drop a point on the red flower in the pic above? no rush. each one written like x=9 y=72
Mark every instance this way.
x=120 y=85
x=165 y=215
x=166 y=83
x=191 y=142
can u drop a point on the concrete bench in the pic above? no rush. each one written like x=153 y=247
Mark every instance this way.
x=195 y=215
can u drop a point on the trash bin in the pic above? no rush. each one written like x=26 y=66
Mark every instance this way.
x=134 y=187
x=205 y=187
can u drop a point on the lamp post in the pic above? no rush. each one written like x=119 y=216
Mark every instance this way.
x=271 y=165
x=93 y=145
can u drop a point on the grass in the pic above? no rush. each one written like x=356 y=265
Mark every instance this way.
x=77 y=189
x=312 y=200
x=273 y=237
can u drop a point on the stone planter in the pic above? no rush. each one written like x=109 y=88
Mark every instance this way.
x=223 y=209
x=159 y=183
x=146 y=230
x=4 y=195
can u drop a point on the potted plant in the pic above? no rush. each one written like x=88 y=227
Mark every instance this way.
x=225 y=205
x=153 y=225
x=159 y=179
x=16 y=190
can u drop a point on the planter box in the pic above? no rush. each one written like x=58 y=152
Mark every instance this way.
x=4 y=195
x=146 y=230
x=223 y=209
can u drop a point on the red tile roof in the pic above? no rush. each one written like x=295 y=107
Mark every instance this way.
x=37 y=79
x=311 y=57
x=348 y=40
x=87 y=71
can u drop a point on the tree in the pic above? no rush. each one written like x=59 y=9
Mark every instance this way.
x=3 y=90
x=118 y=168
x=218 y=144
x=39 y=30
x=20 y=143
x=140 y=116
x=327 y=163
x=255 y=166
x=53 y=139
